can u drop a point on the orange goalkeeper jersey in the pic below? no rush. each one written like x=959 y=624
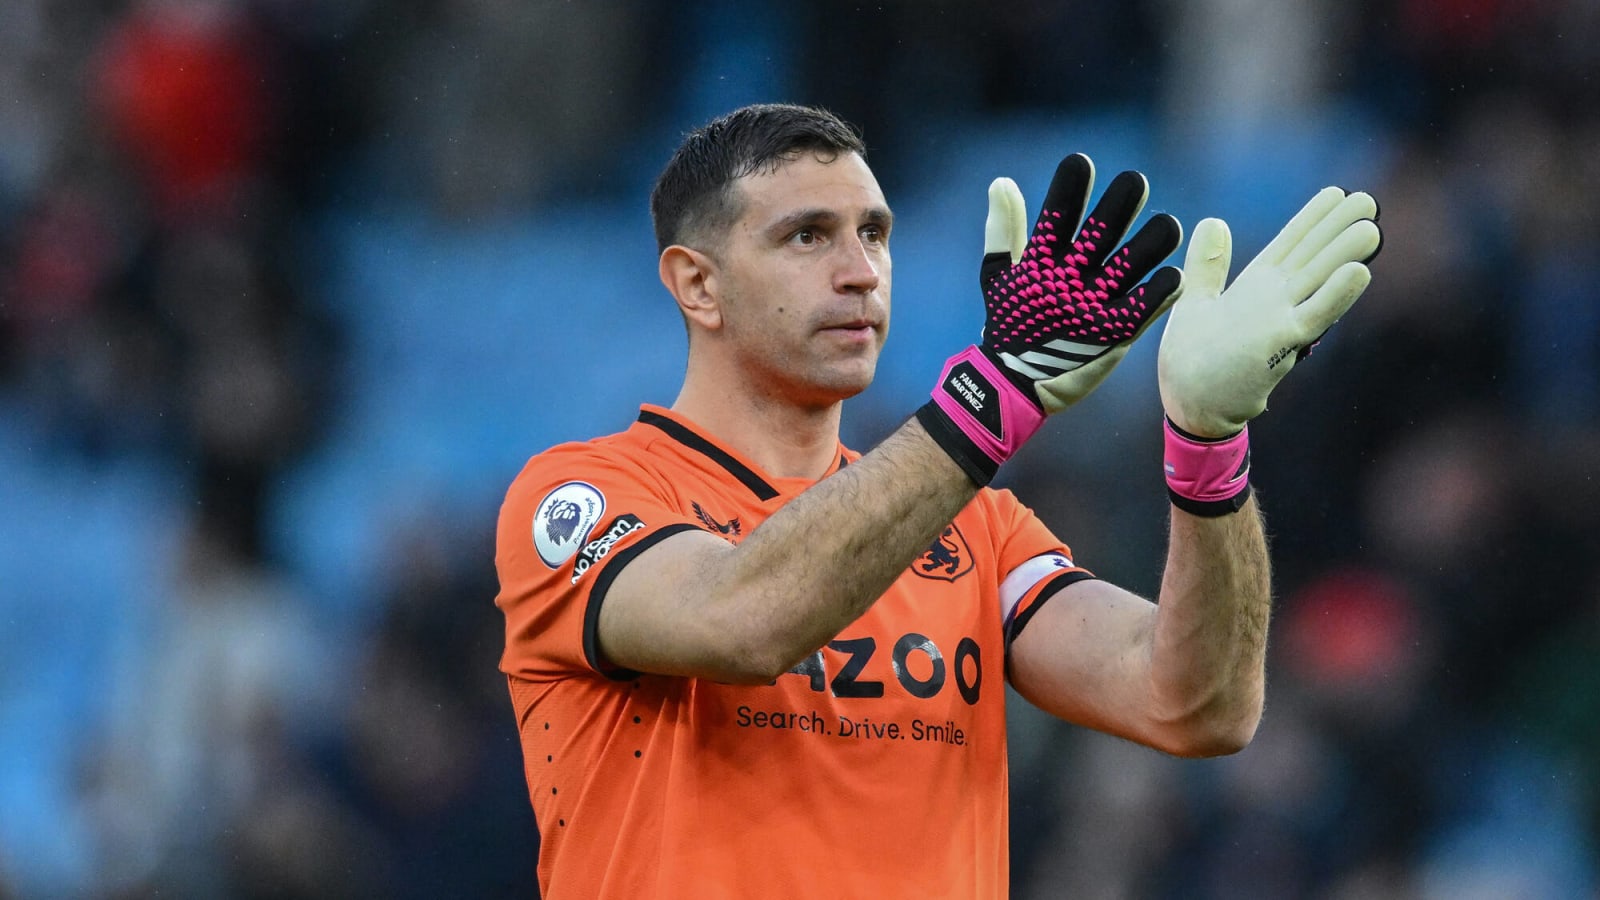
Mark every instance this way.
x=875 y=768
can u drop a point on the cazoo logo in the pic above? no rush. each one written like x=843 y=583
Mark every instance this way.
x=965 y=668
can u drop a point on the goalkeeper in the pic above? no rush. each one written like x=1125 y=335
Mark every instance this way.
x=746 y=661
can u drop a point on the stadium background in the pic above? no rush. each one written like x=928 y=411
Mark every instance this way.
x=289 y=289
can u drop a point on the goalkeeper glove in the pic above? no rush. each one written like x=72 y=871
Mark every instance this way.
x=1060 y=312
x=1224 y=350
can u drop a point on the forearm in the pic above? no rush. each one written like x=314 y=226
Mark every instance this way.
x=1188 y=674
x=819 y=562
x=1208 y=650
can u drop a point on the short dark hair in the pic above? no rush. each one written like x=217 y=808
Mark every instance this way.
x=694 y=197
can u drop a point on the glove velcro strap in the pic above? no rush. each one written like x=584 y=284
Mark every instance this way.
x=1207 y=477
x=978 y=415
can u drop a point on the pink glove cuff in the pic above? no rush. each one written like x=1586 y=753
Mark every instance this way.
x=1213 y=477
x=991 y=415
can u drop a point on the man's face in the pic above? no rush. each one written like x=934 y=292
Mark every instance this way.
x=804 y=275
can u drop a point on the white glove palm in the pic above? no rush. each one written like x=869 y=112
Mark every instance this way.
x=1223 y=351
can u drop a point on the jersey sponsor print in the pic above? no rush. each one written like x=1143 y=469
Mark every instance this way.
x=596 y=550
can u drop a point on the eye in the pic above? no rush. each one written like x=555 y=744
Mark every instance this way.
x=875 y=234
x=806 y=237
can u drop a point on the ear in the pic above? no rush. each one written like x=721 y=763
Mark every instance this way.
x=691 y=277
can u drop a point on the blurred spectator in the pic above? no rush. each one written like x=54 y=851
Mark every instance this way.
x=189 y=97
x=233 y=677
x=1254 y=84
x=423 y=759
x=252 y=368
x=492 y=107
x=1553 y=696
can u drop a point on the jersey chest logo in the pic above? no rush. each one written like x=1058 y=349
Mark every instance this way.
x=947 y=558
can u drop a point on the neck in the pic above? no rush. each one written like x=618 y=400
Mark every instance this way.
x=785 y=439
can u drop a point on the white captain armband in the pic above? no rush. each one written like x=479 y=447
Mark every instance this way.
x=1057 y=568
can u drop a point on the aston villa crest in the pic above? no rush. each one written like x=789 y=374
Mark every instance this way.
x=947 y=558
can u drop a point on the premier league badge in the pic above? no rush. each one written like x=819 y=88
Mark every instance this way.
x=564 y=519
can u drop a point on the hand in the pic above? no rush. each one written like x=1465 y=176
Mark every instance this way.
x=1061 y=316
x=1224 y=351
x=1061 y=313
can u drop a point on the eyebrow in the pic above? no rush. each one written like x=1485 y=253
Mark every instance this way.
x=880 y=216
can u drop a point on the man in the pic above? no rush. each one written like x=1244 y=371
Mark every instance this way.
x=747 y=662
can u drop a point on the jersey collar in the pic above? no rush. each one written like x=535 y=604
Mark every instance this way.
x=685 y=433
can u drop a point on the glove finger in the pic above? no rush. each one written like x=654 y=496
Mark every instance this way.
x=1301 y=224
x=1305 y=350
x=1154 y=243
x=1355 y=243
x=1352 y=209
x=1315 y=316
x=1006 y=228
x=1155 y=296
x=1067 y=198
x=1105 y=227
x=1378 y=249
x=1205 y=266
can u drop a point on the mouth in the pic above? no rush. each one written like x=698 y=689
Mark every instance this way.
x=856 y=328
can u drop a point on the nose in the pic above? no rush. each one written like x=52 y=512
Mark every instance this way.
x=858 y=268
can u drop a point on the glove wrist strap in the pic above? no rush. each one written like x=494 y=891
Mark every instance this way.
x=978 y=415
x=1207 y=477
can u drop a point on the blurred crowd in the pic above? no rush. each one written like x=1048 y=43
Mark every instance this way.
x=263 y=379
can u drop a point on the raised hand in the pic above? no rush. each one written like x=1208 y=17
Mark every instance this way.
x=1063 y=304
x=1063 y=309
x=1227 y=346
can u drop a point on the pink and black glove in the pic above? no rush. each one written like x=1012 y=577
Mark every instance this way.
x=1063 y=307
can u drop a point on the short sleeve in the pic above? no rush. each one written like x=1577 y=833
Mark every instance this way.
x=1020 y=534
x=572 y=519
x=1034 y=563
